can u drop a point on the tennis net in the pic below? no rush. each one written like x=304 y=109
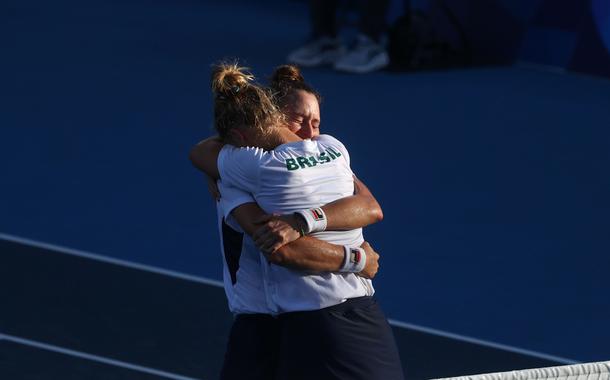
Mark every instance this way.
x=586 y=371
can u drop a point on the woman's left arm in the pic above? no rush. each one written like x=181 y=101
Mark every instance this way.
x=204 y=156
x=356 y=211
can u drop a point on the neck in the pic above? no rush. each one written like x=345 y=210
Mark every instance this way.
x=277 y=136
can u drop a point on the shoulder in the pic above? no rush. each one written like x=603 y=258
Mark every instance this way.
x=327 y=139
x=243 y=151
x=240 y=166
x=241 y=156
x=330 y=141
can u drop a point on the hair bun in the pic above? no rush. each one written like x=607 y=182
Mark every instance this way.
x=229 y=79
x=286 y=73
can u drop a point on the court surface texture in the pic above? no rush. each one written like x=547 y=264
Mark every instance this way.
x=493 y=181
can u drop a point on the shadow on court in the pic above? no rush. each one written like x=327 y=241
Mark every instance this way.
x=70 y=317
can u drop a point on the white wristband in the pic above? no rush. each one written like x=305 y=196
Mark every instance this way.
x=315 y=219
x=354 y=259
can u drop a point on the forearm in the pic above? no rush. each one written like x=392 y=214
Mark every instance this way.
x=309 y=254
x=356 y=211
x=352 y=212
x=314 y=255
x=305 y=253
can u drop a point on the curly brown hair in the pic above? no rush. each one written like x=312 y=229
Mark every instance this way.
x=285 y=80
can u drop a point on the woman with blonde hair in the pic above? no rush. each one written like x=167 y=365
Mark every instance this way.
x=329 y=325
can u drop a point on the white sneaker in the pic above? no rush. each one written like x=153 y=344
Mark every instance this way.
x=323 y=51
x=366 y=56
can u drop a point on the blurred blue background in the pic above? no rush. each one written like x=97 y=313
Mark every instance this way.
x=493 y=180
x=565 y=34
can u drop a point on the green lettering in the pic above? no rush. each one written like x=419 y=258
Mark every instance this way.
x=303 y=162
x=336 y=153
x=330 y=153
x=313 y=161
x=323 y=158
x=291 y=164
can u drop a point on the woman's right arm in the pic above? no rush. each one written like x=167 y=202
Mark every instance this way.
x=204 y=156
x=356 y=211
x=305 y=253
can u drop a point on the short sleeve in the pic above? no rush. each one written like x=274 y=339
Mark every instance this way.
x=334 y=143
x=231 y=198
x=239 y=167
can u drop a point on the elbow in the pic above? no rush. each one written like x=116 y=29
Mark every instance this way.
x=195 y=158
x=203 y=161
x=375 y=210
x=377 y=214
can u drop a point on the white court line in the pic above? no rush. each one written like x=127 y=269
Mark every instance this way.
x=95 y=358
x=207 y=281
x=110 y=260
x=480 y=342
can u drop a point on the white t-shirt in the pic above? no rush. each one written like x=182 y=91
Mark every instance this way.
x=295 y=176
x=242 y=261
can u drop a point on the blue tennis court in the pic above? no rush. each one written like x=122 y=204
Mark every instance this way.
x=493 y=181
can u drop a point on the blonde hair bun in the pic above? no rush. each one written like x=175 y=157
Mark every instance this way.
x=229 y=79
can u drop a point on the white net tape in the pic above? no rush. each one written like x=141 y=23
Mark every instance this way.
x=588 y=371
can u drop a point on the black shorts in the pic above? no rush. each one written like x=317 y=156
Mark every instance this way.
x=252 y=349
x=352 y=340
